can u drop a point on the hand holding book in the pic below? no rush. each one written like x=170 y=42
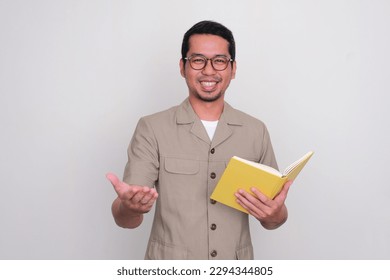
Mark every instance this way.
x=245 y=174
x=272 y=213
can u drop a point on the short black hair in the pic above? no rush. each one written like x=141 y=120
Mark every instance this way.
x=212 y=28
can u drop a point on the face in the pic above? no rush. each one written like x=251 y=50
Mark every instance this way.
x=207 y=84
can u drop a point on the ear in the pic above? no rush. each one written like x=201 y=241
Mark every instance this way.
x=234 y=68
x=182 y=66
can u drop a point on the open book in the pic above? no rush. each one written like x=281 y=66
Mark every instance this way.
x=244 y=174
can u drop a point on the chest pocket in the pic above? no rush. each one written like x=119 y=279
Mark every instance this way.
x=181 y=166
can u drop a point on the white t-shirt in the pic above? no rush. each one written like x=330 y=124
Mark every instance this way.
x=210 y=126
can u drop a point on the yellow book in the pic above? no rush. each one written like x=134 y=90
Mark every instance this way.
x=244 y=174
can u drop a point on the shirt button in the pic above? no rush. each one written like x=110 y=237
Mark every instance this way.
x=212 y=175
x=213 y=226
x=212 y=201
x=212 y=151
x=213 y=253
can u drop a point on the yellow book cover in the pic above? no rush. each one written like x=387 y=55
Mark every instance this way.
x=244 y=174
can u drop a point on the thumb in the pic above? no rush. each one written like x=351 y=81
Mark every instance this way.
x=116 y=183
x=283 y=193
x=287 y=186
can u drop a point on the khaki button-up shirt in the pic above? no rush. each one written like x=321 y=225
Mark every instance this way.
x=171 y=151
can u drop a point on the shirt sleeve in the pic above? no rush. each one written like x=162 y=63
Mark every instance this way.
x=143 y=160
x=268 y=155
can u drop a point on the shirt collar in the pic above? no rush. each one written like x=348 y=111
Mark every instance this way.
x=186 y=114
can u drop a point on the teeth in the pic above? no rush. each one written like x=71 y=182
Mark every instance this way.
x=208 y=84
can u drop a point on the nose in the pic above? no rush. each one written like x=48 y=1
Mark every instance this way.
x=208 y=69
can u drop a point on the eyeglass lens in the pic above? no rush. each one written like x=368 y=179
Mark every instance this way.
x=219 y=63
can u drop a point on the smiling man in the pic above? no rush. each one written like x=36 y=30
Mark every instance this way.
x=177 y=156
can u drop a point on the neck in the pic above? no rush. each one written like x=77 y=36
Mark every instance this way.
x=207 y=111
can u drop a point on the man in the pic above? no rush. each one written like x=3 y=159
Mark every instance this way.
x=177 y=156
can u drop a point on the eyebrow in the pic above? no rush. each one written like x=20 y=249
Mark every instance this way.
x=224 y=55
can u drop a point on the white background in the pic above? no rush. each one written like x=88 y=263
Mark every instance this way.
x=76 y=75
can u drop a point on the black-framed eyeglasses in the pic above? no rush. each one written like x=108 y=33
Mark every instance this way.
x=199 y=62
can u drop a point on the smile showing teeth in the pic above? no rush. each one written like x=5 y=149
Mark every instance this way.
x=208 y=84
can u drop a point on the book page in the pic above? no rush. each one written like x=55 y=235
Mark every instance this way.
x=292 y=166
x=264 y=167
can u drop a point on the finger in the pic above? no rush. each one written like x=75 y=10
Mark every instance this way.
x=147 y=197
x=146 y=203
x=287 y=186
x=250 y=206
x=123 y=190
x=141 y=194
x=257 y=199
x=116 y=183
x=262 y=197
x=250 y=201
x=149 y=204
x=281 y=197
